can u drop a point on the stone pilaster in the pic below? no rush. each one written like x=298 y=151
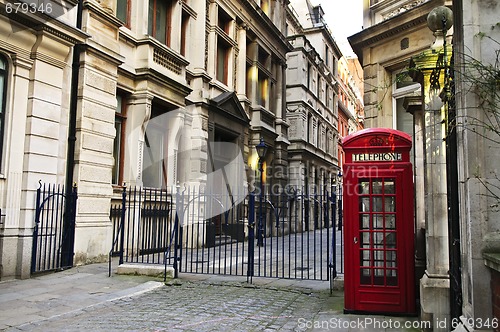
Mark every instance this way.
x=95 y=134
x=434 y=285
x=241 y=62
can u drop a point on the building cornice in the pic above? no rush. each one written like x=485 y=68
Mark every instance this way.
x=43 y=22
x=327 y=34
x=262 y=19
x=397 y=25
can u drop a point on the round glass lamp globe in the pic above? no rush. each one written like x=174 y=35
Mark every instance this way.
x=440 y=19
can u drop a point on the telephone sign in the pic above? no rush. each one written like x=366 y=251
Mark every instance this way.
x=379 y=223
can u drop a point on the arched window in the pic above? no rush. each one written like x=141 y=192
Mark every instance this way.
x=3 y=97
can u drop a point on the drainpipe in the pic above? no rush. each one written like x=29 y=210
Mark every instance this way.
x=75 y=67
x=68 y=229
x=456 y=300
x=455 y=268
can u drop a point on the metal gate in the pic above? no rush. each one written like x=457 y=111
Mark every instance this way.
x=292 y=235
x=54 y=232
x=143 y=226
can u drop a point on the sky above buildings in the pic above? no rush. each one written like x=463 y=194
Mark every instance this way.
x=344 y=18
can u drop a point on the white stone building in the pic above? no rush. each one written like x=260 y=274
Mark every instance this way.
x=132 y=92
x=35 y=80
x=456 y=215
x=312 y=99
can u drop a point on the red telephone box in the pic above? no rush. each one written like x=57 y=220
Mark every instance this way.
x=378 y=223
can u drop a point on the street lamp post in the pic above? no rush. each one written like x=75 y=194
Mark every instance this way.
x=261 y=152
x=441 y=19
x=432 y=69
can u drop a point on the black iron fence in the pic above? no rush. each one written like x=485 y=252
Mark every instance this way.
x=53 y=235
x=213 y=231
x=143 y=227
x=290 y=235
x=297 y=235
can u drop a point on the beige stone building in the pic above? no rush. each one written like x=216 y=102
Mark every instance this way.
x=350 y=101
x=35 y=81
x=312 y=99
x=123 y=92
x=456 y=222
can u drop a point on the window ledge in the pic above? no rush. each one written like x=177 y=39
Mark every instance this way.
x=492 y=260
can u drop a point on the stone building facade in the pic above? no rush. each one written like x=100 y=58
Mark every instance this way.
x=350 y=101
x=312 y=99
x=477 y=161
x=35 y=76
x=132 y=93
x=456 y=222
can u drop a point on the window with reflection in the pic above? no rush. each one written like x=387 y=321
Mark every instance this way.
x=118 y=144
x=224 y=47
x=404 y=87
x=160 y=20
x=223 y=52
x=184 y=32
x=123 y=11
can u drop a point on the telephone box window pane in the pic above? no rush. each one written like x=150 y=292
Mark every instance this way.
x=391 y=273
x=377 y=186
x=365 y=258
x=389 y=187
x=390 y=204
x=365 y=276
x=390 y=240
x=391 y=277
x=364 y=204
x=378 y=258
x=378 y=221
x=365 y=240
x=390 y=221
x=364 y=221
x=377 y=204
x=378 y=239
x=377 y=236
x=364 y=187
x=390 y=258
x=378 y=277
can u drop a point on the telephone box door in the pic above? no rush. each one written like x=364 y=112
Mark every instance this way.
x=379 y=232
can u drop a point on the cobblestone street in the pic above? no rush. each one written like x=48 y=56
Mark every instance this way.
x=199 y=306
x=85 y=299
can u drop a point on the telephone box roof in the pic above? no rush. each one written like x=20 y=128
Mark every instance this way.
x=377 y=137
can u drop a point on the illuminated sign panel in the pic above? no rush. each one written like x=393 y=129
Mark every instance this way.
x=382 y=156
